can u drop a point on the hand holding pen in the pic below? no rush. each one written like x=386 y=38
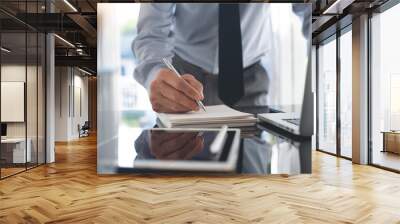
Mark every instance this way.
x=172 y=93
x=170 y=66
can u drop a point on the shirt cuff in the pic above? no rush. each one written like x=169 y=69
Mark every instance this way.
x=152 y=75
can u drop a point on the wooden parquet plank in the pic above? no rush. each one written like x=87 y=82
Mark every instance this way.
x=70 y=191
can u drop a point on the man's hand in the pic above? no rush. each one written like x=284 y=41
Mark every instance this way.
x=175 y=146
x=170 y=93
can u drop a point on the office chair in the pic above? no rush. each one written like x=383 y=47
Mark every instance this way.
x=84 y=130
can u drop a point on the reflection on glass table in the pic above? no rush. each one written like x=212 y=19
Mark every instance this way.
x=175 y=146
x=265 y=151
x=272 y=153
x=162 y=145
x=185 y=150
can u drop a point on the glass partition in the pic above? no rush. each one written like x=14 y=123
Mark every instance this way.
x=23 y=90
x=14 y=153
x=346 y=93
x=327 y=96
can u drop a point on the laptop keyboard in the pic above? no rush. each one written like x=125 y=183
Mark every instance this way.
x=295 y=121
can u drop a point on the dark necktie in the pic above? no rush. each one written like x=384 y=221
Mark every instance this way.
x=230 y=77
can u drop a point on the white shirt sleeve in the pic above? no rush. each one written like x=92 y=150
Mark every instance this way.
x=154 y=40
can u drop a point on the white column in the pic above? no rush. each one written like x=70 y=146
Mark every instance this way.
x=50 y=99
x=50 y=92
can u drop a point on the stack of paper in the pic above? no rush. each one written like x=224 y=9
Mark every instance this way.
x=213 y=117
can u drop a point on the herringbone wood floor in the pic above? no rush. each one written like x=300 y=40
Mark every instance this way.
x=70 y=191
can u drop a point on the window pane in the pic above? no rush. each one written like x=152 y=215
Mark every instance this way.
x=385 y=114
x=327 y=97
x=346 y=94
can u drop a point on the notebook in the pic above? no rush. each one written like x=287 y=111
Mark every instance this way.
x=213 y=117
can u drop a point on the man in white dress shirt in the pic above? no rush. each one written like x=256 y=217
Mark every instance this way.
x=216 y=47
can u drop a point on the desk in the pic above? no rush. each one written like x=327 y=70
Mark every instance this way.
x=266 y=150
x=16 y=148
x=391 y=141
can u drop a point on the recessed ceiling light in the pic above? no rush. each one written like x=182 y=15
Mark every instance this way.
x=65 y=41
x=5 y=50
x=337 y=7
x=70 y=5
x=84 y=71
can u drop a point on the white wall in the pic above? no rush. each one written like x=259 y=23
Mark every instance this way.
x=80 y=84
x=33 y=126
x=62 y=81
x=70 y=83
x=12 y=73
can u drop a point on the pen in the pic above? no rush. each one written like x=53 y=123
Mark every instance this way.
x=170 y=66
x=219 y=140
